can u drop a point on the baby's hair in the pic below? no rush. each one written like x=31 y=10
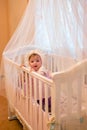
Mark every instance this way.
x=34 y=54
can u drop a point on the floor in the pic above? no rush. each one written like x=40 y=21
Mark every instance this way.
x=5 y=124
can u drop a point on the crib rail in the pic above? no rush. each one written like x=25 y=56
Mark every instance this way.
x=47 y=104
x=69 y=88
x=30 y=95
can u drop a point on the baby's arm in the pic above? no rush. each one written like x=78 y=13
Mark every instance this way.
x=46 y=74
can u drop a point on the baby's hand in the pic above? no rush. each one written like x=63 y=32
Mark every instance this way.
x=22 y=65
x=46 y=74
x=31 y=70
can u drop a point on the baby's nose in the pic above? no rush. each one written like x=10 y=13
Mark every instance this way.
x=35 y=62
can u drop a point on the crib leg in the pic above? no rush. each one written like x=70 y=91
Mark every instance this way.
x=11 y=116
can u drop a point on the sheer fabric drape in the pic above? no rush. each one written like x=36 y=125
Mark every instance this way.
x=57 y=26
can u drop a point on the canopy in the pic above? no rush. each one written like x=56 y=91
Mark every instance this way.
x=57 y=26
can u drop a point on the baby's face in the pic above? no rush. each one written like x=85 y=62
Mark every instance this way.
x=35 y=62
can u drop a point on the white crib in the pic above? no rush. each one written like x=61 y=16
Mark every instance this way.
x=67 y=90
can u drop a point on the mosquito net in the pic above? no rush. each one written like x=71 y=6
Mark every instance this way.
x=57 y=26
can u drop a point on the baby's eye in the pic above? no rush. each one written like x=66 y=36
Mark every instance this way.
x=32 y=61
x=37 y=60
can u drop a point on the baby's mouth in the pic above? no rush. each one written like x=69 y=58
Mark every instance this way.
x=35 y=66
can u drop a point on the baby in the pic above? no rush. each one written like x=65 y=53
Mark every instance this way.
x=35 y=64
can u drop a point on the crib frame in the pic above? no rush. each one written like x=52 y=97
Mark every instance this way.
x=47 y=120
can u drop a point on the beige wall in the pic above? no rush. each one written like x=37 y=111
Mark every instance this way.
x=15 y=9
x=10 y=14
x=3 y=25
